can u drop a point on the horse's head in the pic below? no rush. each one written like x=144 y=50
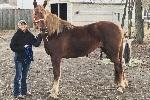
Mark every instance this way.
x=46 y=21
x=39 y=16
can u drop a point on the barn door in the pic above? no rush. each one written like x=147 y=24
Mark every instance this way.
x=60 y=9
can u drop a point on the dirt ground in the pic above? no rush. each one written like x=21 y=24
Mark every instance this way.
x=84 y=78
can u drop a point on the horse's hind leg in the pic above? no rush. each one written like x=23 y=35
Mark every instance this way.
x=118 y=69
x=56 y=71
x=120 y=79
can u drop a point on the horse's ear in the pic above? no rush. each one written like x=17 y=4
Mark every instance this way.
x=45 y=3
x=35 y=3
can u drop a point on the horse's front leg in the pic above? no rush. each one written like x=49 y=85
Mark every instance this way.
x=56 y=71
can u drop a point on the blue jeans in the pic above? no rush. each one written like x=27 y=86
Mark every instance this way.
x=20 y=85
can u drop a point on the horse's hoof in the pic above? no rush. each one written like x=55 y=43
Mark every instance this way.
x=51 y=98
x=54 y=96
x=120 y=89
x=124 y=84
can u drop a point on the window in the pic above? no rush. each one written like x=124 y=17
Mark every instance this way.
x=60 y=9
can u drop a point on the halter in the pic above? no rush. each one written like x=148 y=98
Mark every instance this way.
x=36 y=21
x=42 y=19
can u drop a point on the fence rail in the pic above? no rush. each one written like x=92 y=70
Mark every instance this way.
x=10 y=17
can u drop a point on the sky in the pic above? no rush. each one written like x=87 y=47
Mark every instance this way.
x=28 y=4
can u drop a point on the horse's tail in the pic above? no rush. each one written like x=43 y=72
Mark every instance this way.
x=127 y=50
x=126 y=53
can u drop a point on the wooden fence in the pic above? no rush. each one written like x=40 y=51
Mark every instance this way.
x=10 y=17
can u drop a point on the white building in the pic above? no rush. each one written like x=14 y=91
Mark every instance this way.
x=81 y=12
x=8 y=4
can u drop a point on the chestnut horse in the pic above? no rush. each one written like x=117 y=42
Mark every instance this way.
x=63 y=40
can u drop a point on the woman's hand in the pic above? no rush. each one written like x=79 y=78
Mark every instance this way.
x=26 y=45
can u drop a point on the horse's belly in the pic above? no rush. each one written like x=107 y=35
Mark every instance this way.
x=81 y=50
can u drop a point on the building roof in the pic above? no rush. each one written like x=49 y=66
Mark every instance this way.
x=7 y=6
x=98 y=1
x=90 y=1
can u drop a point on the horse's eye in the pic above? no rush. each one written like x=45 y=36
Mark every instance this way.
x=35 y=14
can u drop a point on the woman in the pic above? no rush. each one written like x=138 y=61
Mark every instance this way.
x=21 y=45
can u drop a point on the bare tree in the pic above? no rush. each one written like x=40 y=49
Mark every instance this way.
x=139 y=28
x=124 y=14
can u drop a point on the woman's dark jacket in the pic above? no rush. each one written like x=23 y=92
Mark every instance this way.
x=20 y=39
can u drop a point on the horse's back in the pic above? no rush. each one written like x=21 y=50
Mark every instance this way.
x=108 y=28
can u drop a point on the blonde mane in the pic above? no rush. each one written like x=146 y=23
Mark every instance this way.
x=55 y=24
